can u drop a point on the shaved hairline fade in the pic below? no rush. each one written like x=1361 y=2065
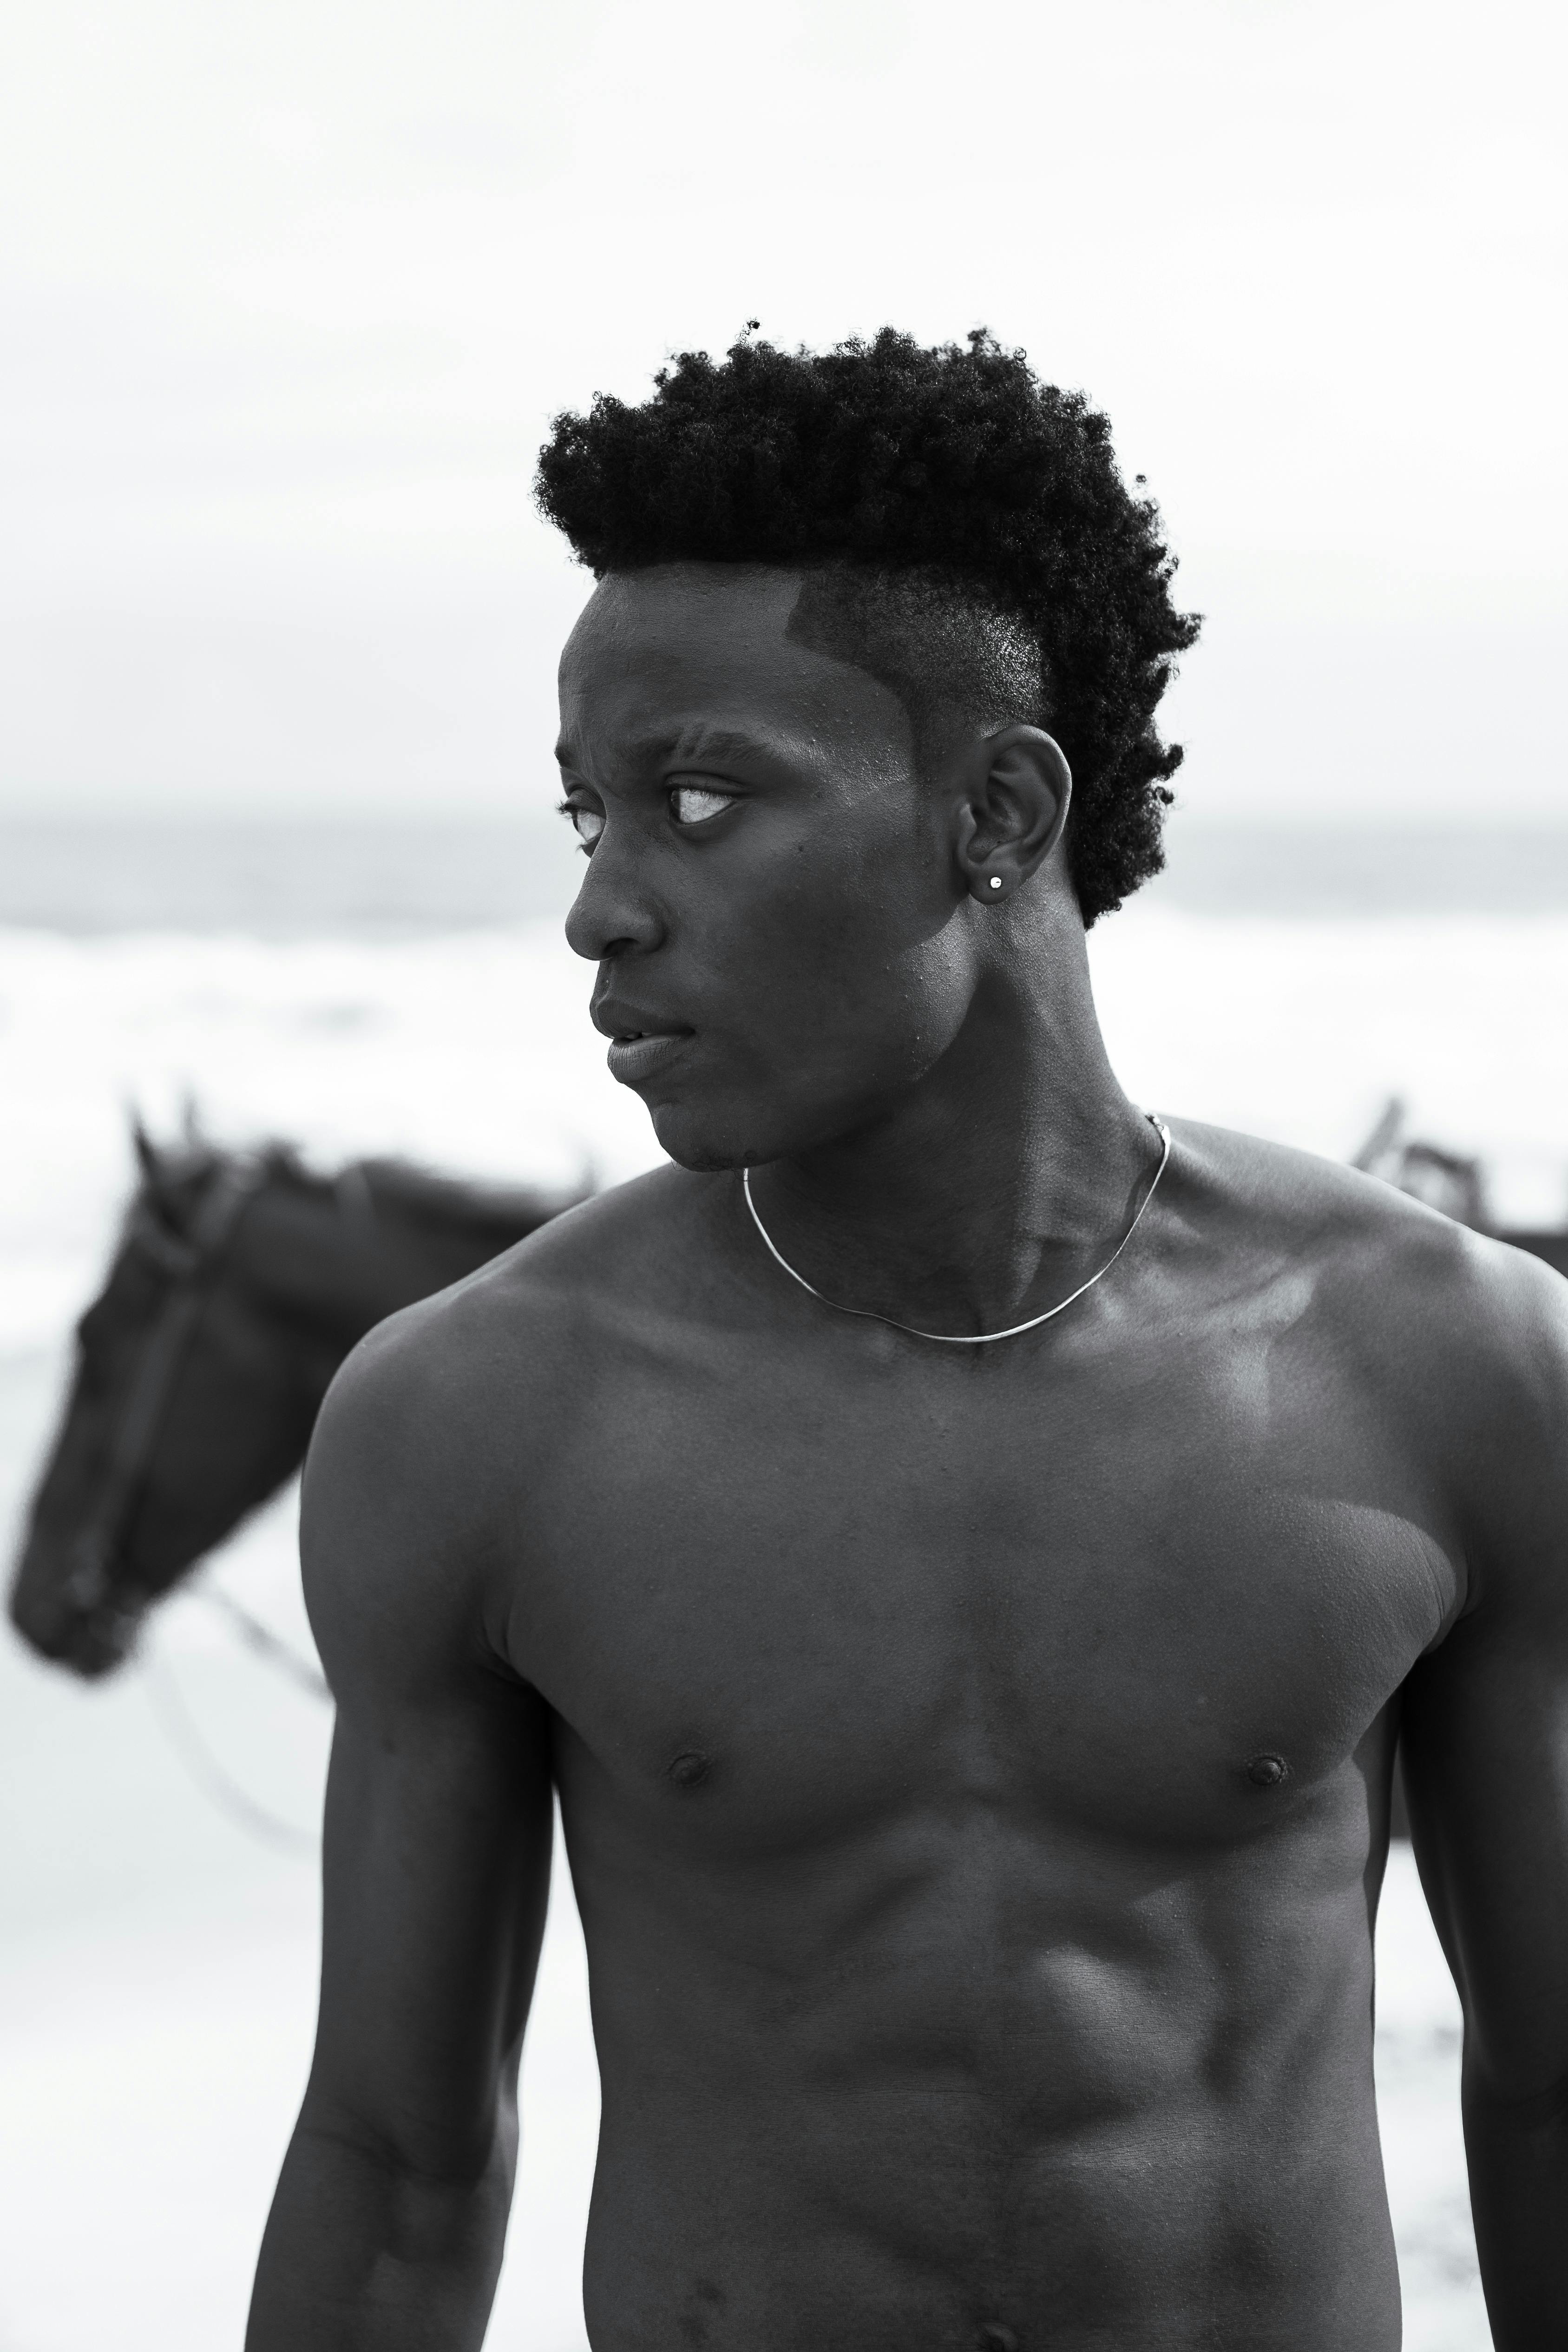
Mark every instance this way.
x=944 y=650
x=963 y=531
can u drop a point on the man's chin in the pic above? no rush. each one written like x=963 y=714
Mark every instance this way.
x=710 y=1129
x=705 y=1145
x=709 y=1137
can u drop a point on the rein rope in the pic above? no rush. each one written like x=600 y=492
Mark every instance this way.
x=269 y=1647
x=196 y=1752
x=179 y=1725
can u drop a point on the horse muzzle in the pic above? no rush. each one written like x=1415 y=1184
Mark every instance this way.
x=71 y=1615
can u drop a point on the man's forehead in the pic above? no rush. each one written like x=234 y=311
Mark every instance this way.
x=660 y=652
x=675 y=611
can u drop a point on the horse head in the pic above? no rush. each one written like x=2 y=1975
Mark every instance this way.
x=184 y=1411
x=239 y=1284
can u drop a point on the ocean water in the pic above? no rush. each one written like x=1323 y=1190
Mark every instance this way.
x=351 y=879
x=408 y=990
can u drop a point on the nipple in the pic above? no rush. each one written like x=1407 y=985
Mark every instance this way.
x=689 y=1769
x=1267 y=1771
x=994 y=2338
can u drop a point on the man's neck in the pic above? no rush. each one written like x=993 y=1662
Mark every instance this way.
x=996 y=1183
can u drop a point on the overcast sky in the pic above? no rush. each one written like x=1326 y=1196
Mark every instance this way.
x=292 y=290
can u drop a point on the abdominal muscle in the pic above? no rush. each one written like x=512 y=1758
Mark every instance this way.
x=935 y=2083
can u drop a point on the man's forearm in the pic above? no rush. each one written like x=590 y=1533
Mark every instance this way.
x=362 y=2253
x=1517 y=2150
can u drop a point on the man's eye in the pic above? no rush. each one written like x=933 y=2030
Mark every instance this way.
x=694 y=804
x=587 y=824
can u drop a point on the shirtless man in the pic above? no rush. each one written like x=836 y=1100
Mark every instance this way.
x=974 y=1759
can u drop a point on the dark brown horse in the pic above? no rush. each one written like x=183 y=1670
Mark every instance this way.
x=239 y=1285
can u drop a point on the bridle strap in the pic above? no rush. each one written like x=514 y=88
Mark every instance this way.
x=191 y=1265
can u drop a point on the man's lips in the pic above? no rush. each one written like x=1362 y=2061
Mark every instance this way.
x=636 y=1054
x=641 y=1042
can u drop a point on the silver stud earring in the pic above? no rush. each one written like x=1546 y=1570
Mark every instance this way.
x=996 y=881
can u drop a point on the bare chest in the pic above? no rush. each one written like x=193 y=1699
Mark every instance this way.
x=1152 y=1604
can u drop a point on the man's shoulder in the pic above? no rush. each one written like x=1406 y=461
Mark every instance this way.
x=1422 y=1296
x=513 y=1336
x=435 y=1424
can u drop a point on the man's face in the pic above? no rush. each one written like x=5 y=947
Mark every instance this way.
x=771 y=895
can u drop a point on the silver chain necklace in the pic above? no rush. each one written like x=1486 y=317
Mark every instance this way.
x=975 y=1338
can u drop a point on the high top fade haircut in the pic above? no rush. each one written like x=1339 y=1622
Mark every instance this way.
x=963 y=530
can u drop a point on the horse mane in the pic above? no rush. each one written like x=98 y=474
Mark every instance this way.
x=173 y=1178
x=454 y=1203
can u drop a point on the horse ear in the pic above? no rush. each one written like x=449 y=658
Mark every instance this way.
x=1389 y=1130
x=146 y=1150
x=191 y=1122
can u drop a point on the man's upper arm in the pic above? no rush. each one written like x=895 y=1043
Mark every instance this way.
x=1486 y=1714
x=438 y=1820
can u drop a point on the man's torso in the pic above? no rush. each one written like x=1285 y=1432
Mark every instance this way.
x=974 y=1765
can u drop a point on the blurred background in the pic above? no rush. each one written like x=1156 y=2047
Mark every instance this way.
x=290 y=297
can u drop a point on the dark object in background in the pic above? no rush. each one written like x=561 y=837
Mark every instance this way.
x=1550 y=1246
x=239 y=1285
x=1456 y=1186
x=1443 y=1179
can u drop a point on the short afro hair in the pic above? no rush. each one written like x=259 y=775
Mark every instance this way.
x=956 y=465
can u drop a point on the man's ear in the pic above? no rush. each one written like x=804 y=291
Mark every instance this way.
x=1012 y=817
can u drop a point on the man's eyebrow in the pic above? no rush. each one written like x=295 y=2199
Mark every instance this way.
x=706 y=742
x=692 y=745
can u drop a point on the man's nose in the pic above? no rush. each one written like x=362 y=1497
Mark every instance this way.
x=615 y=911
